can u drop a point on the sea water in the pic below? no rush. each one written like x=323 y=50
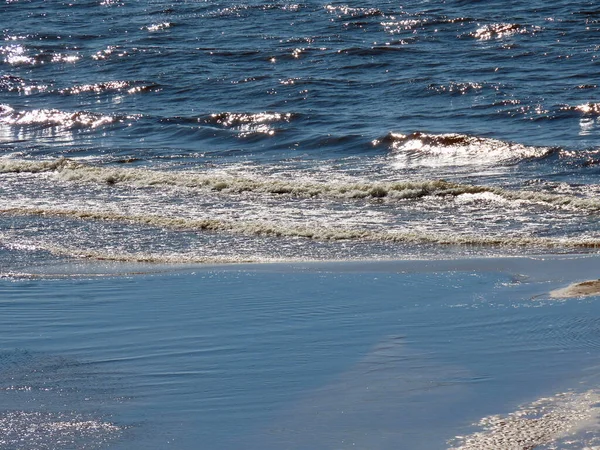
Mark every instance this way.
x=266 y=131
x=139 y=139
x=377 y=356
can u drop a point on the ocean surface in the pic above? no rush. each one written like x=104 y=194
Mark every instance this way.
x=216 y=132
x=145 y=143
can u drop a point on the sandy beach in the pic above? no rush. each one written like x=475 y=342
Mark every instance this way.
x=581 y=289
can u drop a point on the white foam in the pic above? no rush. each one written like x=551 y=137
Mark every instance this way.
x=542 y=422
x=277 y=230
x=73 y=171
x=453 y=149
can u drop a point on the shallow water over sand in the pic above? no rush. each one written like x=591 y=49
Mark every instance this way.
x=383 y=355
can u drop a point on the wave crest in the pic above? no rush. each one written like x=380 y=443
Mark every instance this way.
x=391 y=191
x=69 y=170
x=502 y=30
x=458 y=149
x=54 y=118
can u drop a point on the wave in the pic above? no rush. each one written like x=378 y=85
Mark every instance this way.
x=587 y=109
x=313 y=232
x=462 y=88
x=230 y=119
x=55 y=118
x=502 y=30
x=394 y=26
x=246 y=124
x=348 y=12
x=241 y=122
x=73 y=171
x=106 y=53
x=130 y=87
x=458 y=149
x=19 y=55
x=69 y=170
x=539 y=112
x=397 y=46
x=12 y=83
x=65 y=251
x=158 y=26
x=239 y=10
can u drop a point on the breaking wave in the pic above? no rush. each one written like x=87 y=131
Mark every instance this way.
x=72 y=171
x=423 y=149
x=310 y=231
x=55 y=118
x=69 y=170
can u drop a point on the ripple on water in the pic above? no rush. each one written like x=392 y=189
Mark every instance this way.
x=52 y=402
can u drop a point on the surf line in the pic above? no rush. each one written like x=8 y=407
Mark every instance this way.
x=73 y=171
x=317 y=233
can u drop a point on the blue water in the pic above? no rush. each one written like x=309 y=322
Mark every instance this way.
x=284 y=357
x=141 y=140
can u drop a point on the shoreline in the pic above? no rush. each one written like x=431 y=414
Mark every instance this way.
x=571 y=275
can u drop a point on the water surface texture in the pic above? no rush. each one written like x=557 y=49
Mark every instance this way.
x=449 y=143
x=205 y=131
x=299 y=357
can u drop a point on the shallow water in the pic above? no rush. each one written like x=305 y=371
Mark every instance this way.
x=330 y=356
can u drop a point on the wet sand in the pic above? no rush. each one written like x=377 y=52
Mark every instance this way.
x=582 y=289
x=549 y=421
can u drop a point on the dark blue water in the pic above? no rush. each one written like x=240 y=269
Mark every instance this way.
x=346 y=73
